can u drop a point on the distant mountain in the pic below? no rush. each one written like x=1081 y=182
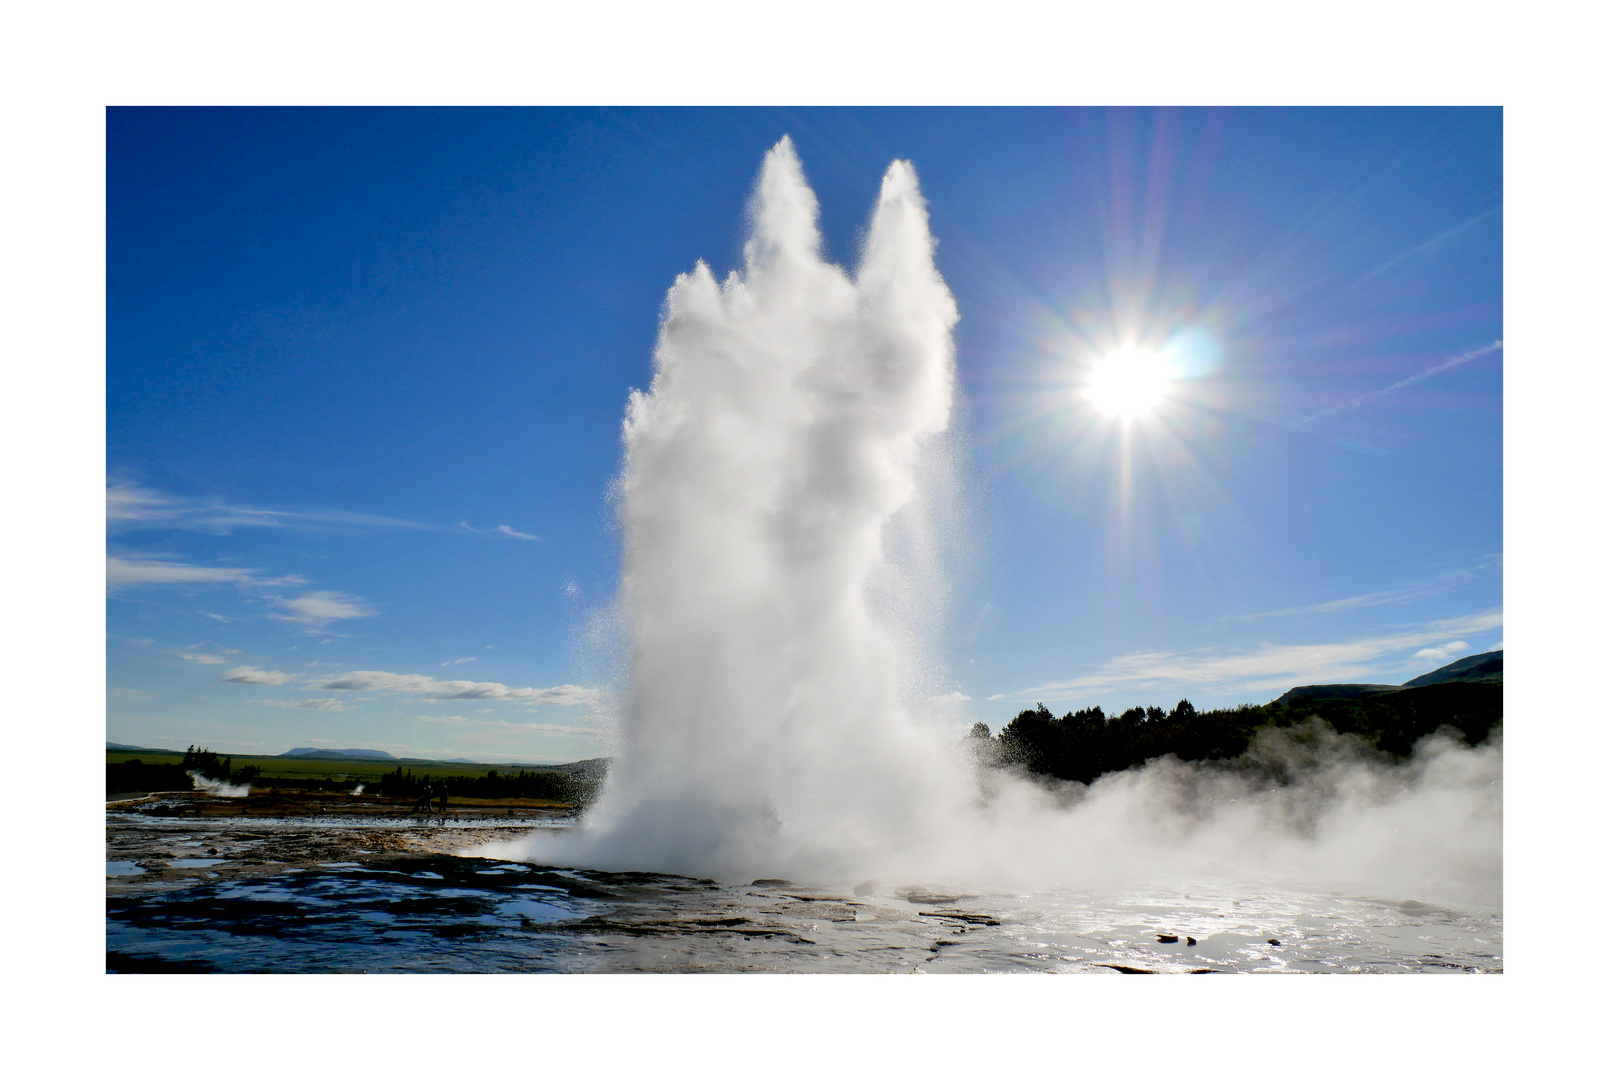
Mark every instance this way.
x=1326 y=691
x=1484 y=667
x=126 y=748
x=311 y=752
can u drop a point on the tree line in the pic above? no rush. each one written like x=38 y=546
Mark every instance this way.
x=137 y=775
x=1087 y=744
x=533 y=784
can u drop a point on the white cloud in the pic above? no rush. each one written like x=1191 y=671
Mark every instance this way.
x=505 y=530
x=128 y=571
x=424 y=686
x=131 y=503
x=255 y=676
x=323 y=704
x=318 y=609
x=1267 y=667
x=131 y=507
x=1443 y=652
x=123 y=572
x=954 y=697
x=204 y=658
x=460 y=660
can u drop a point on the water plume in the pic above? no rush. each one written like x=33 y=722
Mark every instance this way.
x=779 y=719
x=767 y=724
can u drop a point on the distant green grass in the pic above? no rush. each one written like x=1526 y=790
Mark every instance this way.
x=354 y=770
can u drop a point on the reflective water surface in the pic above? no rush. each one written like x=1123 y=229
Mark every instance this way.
x=299 y=899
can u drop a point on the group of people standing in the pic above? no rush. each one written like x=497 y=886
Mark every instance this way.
x=435 y=792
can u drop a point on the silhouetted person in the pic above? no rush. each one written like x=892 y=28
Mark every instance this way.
x=441 y=799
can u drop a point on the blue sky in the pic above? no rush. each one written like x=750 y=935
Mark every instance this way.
x=366 y=371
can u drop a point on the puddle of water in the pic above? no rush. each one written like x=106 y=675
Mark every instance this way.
x=122 y=868
x=190 y=864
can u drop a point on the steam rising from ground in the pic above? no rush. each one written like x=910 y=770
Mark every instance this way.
x=777 y=721
x=219 y=787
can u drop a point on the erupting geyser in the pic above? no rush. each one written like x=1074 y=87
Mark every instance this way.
x=766 y=725
x=772 y=725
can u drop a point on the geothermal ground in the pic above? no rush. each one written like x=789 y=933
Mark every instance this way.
x=274 y=883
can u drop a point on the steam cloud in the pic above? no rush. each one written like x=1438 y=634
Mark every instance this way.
x=777 y=721
x=220 y=788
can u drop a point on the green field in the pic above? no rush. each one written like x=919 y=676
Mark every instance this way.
x=352 y=769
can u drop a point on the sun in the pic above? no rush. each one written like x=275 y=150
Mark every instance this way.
x=1128 y=383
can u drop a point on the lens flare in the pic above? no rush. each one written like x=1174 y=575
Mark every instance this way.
x=1128 y=383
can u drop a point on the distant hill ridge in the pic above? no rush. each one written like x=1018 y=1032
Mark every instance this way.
x=591 y=767
x=1484 y=667
x=128 y=748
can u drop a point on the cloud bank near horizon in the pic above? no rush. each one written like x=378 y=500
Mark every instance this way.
x=1266 y=667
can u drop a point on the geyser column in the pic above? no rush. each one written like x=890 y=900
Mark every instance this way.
x=765 y=728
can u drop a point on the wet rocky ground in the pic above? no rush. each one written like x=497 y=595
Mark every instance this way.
x=207 y=888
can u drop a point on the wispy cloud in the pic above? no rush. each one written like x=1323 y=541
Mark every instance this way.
x=954 y=697
x=130 y=507
x=318 y=609
x=1352 y=603
x=423 y=686
x=460 y=660
x=204 y=658
x=506 y=530
x=1444 y=581
x=255 y=676
x=1434 y=244
x=323 y=704
x=1267 y=667
x=1434 y=369
x=129 y=571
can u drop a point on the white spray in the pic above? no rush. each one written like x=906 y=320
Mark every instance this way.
x=221 y=788
x=772 y=725
x=766 y=727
